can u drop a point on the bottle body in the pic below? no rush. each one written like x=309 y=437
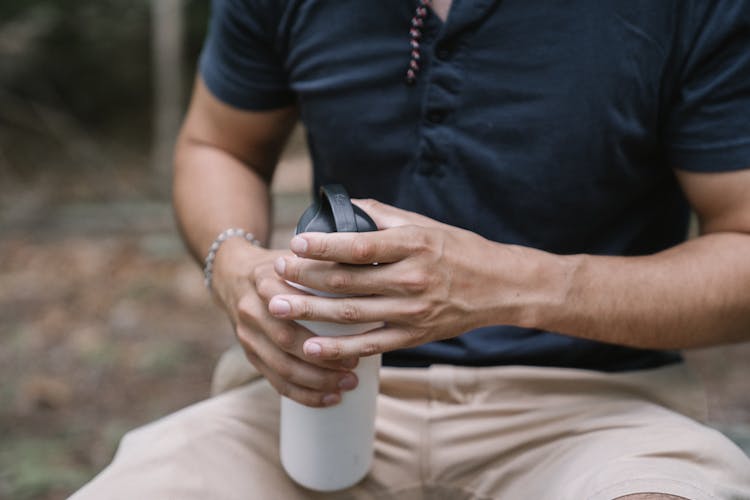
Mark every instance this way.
x=329 y=449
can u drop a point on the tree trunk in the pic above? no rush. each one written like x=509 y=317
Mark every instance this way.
x=167 y=26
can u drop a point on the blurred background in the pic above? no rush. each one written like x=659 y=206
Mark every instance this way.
x=104 y=322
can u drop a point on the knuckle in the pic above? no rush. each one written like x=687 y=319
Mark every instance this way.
x=284 y=338
x=369 y=348
x=312 y=399
x=322 y=248
x=363 y=251
x=330 y=383
x=417 y=281
x=339 y=281
x=246 y=307
x=334 y=350
x=420 y=312
x=350 y=312
x=263 y=286
x=369 y=203
x=285 y=389
x=307 y=310
x=415 y=336
x=421 y=239
x=259 y=272
x=307 y=398
x=285 y=372
x=323 y=382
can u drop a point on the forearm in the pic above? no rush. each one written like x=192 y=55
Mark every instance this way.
x=224 y=162
x=695 y=294
x=214 y=191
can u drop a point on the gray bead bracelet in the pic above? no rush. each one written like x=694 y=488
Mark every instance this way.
x=208 y=267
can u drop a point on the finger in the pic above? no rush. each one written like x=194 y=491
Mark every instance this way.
x=302 y=395
x=365 y=344
x=338 y=279
x=287 y=336
x=294 y=370
x=348 y=309
x=389 y=245
x=270 y=283
x=386 y=216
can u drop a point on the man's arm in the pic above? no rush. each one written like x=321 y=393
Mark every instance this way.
x=224 y=161
x=695 y=294
x=435 y=281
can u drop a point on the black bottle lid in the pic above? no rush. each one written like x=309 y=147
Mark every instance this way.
x=334 y=212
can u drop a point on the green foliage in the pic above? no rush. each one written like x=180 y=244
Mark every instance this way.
x=30 y=468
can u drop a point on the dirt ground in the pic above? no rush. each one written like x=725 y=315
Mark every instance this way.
x=105 y=325
x=104 y=320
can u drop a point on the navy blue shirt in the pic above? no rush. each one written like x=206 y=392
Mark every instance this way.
x=554 y=126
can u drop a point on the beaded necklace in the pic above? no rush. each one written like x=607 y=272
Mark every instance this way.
x=415 y=34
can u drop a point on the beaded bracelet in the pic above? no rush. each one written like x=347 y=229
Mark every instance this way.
x=208 y=268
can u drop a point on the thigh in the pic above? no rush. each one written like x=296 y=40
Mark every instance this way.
x=227 y=448
x=224 y=447
x=647 y=448
x=566 y=434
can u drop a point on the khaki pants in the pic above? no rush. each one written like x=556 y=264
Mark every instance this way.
x=450 y=433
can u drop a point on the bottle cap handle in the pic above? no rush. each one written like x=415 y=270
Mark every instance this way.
x=333 y=212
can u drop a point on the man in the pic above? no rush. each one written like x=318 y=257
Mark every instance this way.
x=534 y=281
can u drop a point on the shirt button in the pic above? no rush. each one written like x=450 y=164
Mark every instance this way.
x=443 y=52
x=430 y=169
x=435 y=116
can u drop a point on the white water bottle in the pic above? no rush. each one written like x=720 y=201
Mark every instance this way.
x=329 y=449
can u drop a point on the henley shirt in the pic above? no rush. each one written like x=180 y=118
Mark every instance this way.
x=552 y=125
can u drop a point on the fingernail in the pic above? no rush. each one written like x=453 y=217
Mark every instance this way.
x=350 y=363
x=312 y=348
x=298 y=245
x=279 y=307
x=348 y=382
x=331 y=399
x=280 y=265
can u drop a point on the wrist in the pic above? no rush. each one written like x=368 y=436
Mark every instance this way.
x=226 y=235
x=543 y=288
x=233 y=269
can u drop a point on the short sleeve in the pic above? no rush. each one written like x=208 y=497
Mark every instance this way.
x=708 y=123
x=238 y=61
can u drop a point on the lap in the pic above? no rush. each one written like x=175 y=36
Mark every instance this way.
x=571 y=434
x=448 y=432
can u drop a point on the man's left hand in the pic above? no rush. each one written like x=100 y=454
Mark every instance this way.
x=426 y=280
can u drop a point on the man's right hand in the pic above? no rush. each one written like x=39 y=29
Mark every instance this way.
x=244 y=281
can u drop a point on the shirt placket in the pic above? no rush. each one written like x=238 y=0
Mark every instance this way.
x=444 y=79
